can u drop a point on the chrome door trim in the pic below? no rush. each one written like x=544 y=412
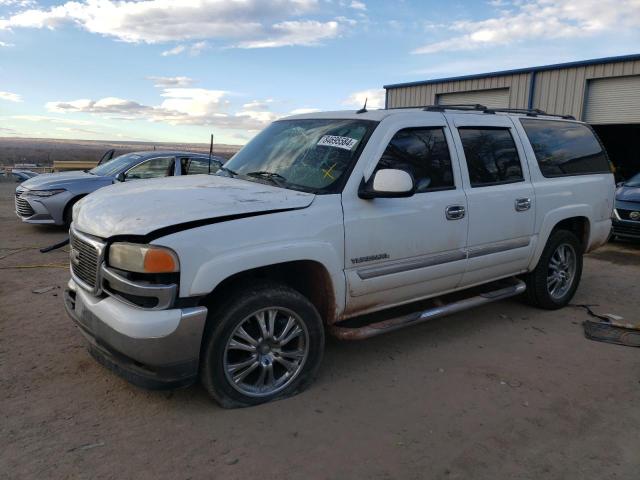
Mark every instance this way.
x=441 y=258
x=411 y=264
x=498 y=247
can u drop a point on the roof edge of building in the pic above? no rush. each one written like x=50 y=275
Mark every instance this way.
x=556 y=66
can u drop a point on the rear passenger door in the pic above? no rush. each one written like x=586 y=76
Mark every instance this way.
x=500 y=196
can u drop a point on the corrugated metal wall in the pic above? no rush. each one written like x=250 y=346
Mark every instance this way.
x=421 y=95
x=563 y=91
x=560 y=91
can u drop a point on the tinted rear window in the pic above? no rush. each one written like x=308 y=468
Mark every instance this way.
x=492 y=157
x=565 y=148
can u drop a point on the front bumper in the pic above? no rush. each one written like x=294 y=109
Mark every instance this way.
x=626 y=228
x=41 y=210
x=149 y=348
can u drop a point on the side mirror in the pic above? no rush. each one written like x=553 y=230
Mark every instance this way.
x=619 y=184
x=388 y=183
x=120 y=177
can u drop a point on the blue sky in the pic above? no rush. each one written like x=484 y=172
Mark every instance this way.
x=166 y=70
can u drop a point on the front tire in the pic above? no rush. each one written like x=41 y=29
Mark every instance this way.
x=265 y=343
x=556 y=277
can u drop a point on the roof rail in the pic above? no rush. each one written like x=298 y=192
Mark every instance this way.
x=462 y=106
x=533 y=112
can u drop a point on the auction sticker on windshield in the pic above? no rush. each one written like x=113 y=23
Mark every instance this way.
x=345 y=143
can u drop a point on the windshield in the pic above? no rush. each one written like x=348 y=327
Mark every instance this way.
x=309 y=155
x=633 y=181
x=116 y=165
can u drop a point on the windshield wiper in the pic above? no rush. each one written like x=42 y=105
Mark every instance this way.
x=228 y=170
x=274 y=177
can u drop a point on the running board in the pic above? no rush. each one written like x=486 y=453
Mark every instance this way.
x=440 y=309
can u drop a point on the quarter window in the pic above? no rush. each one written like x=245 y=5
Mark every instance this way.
x=424 y=153
x=154 y=168
x=195 y=166
x=492 y=157
x=565 y=148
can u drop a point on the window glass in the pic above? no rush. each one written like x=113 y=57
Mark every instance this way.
x=309 y=154
x=154 y=168
x=492 y=157
x=424 y=153
x=195 y=166
x=115 y=165
x=565 y=148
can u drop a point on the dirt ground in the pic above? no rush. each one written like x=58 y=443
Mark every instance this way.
x=502 y=392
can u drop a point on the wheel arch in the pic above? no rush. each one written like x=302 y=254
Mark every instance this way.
x=309 y=277
x=577 y=220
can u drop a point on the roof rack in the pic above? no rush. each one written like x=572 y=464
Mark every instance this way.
x=533 y=112
x=530 y=112
x=461 y=106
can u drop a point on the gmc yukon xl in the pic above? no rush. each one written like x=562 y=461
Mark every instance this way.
x=344 y=223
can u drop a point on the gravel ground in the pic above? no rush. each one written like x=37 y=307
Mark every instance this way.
x=505 y=391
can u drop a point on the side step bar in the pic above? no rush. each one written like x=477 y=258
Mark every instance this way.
x=440 y=309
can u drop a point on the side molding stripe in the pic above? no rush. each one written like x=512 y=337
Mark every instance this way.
x=441 y=258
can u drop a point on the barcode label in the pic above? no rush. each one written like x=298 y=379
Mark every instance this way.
x=345 y=143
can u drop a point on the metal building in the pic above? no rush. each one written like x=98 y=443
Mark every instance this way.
x=604 y=92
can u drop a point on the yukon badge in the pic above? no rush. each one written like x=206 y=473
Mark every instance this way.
x=370 y=258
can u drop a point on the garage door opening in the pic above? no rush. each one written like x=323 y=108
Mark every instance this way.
x=622 y=142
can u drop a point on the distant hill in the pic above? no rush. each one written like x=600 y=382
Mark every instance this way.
x=44 y=151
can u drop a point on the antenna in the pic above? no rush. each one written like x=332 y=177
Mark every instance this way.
x=210 y=152
x=364 y=108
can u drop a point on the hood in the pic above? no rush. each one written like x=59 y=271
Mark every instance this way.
x=143 y=207
x=49 y=181
x=626 y=194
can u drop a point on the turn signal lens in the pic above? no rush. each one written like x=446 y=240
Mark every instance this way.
x=160 y=261
x=133 y=257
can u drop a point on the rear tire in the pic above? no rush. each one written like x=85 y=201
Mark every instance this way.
x=265 y=343
x=554 y=281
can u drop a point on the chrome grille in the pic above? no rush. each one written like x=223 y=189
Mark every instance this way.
x=86 y=256
x=23 y=208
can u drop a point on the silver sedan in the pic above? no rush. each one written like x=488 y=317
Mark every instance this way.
x=49 y=198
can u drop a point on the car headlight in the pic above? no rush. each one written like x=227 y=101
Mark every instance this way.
x=134 y=257
x=44 y=193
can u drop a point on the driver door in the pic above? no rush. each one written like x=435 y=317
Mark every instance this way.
x=402 y=249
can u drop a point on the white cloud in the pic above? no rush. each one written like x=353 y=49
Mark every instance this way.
x=5 y=44
x=374 y=96
x=10 y=97
x=307 y=33
x=162 y=82
x=245 y=23
x=174 y=51
x=356 y=5
x=540 y=19
x=62 y=121
x=179 y=106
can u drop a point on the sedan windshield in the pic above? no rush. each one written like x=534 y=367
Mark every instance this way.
x=116 y=165
x=633 y=181
x=310 y=155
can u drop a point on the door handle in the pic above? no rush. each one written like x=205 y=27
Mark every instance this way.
x=523 y=204
x=455 y=212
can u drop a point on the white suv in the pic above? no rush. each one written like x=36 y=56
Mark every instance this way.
x=350 y=223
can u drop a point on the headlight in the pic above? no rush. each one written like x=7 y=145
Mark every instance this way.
x=134 y=257
x=43 y=193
